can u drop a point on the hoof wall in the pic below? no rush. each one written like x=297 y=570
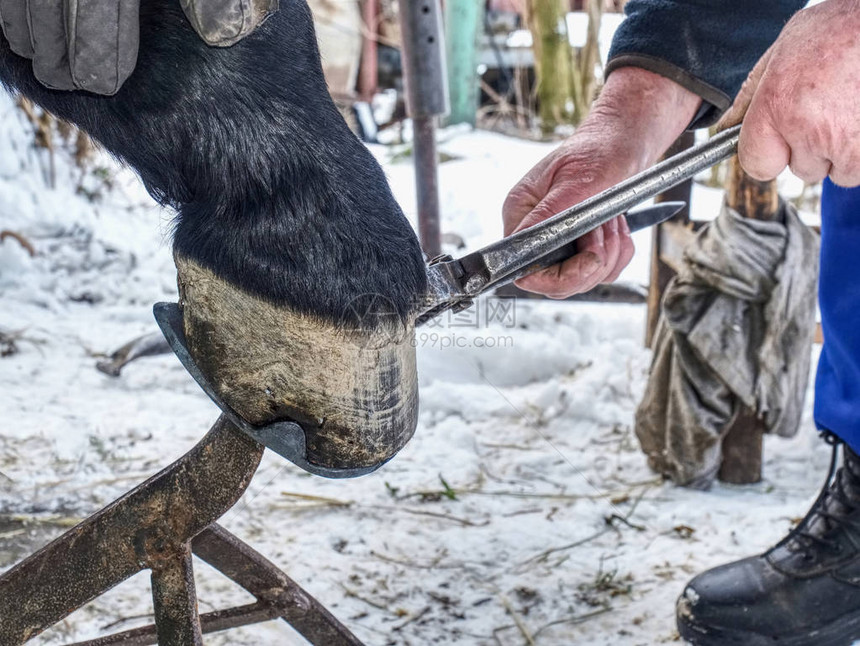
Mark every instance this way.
x=353 y=391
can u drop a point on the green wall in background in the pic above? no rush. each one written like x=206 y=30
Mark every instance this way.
x=463 y=22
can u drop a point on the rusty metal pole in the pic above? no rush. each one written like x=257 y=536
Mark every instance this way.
x=426 y=100
x=368 y=72
x=427 y=185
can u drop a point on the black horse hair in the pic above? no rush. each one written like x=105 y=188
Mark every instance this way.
x=272 y=191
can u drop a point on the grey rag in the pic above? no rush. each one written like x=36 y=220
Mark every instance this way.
x=735 y=330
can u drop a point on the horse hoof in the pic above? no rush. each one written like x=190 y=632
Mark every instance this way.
x=353 y=390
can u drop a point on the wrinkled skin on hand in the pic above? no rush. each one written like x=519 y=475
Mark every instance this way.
x=636 y=118
x=800 y=104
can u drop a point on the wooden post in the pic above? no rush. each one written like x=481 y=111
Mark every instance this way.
x=749 y=197
x=661 y=272
x=742 y=444
x=463 y=19
x=552 y=61
x=583 y=63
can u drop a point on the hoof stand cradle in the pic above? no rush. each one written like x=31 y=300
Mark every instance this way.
x=162 y=522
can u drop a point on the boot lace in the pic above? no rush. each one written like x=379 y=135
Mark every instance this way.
x=805 y=535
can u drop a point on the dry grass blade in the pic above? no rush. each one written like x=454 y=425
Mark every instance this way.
x=412 y=619
x=318 y=500
x=374 y=604
x=432 y=514
x=430 y=565
x=575 y=619
x=610 y=524
x=314 y=502
x=55 y=520
x=524 y=631
x=20 y=239
x=543 y=556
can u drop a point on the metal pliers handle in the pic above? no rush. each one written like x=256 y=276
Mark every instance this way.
x=453 y=283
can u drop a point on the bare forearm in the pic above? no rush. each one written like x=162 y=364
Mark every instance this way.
x=636 y=118
x=641 y=113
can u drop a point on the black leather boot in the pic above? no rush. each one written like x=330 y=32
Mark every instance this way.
x=803 y=592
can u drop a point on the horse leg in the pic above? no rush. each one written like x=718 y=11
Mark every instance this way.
x=298 y=272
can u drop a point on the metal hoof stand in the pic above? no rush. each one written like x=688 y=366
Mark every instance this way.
x=158 y=526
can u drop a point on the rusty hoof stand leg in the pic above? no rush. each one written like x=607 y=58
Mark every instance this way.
x=174 y=601
x=156 y=526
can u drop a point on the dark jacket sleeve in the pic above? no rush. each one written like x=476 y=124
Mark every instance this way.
x=707 y=46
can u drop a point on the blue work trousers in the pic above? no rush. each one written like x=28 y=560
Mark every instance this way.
x=837 y=382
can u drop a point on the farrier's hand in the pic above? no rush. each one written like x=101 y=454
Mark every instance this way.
x=801 y=100
x=92 y=45
x=636 y=118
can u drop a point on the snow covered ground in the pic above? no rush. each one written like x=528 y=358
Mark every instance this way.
x=522 y=510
